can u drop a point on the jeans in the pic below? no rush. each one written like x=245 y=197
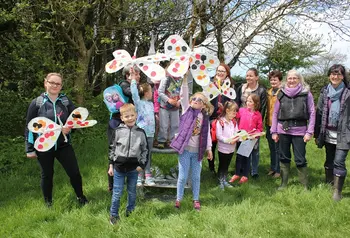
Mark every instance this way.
x=254 y=159
x=150 y=146
x=187 y=161
x=118 y=187
x=330 y=155
x=274 y=152
x=298 y=149
x=339 y=163
x=66 y=157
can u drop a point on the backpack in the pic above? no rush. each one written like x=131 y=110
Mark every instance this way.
x=114 y=98
x=41 y=101
x=213 y=129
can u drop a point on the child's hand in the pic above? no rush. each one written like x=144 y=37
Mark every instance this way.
x=131 y=73
x=139 y=169
x=209 y=155
x=234 y=140
x=172 y=101
x=110 y=171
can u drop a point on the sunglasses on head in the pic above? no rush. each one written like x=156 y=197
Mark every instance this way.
x=195 y=99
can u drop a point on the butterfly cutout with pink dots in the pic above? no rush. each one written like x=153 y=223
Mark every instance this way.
x=199 y=63
x=50 y=131
x=211 y=91
x=146 y=64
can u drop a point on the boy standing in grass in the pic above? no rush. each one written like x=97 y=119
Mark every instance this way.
x=128 y=155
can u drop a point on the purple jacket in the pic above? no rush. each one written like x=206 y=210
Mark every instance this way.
x=186 y=126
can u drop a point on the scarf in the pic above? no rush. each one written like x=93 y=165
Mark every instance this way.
x=334 y=94
x=292 y=92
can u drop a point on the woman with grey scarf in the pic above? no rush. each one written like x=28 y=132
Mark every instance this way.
x=332 y=128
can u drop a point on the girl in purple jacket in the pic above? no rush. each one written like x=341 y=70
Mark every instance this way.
x=192 y=141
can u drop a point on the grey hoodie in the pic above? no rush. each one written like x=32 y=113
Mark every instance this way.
x=128 y=149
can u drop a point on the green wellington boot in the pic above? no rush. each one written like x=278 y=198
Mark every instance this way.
x=285 y=167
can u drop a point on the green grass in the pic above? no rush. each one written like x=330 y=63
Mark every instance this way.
x=255 y=209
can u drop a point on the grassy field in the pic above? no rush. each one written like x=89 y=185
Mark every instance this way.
x=255 y=209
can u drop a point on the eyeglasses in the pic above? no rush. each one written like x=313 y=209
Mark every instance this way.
x=197 y=100
x=336 y=74
x=221 y=71
x=54 y=84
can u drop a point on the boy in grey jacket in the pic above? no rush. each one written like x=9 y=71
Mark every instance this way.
x=128 y=155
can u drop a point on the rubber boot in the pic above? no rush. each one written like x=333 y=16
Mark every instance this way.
x=338 y=187
x=285 y=167
x=329 y=175
x=302 y=172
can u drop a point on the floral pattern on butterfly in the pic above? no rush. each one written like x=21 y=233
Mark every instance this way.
x=50 y=131
x=146 y=64
x=184 y=58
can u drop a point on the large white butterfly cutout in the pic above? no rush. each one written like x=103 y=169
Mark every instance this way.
x=177 y=49
x=50 y=131
x=146 y=64
x=212 y=91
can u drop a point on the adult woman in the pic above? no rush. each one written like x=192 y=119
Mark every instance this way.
x=275 y=78
x=293 y=122
x=54 y=104
x=332 y=126
x=222 y=73
x=252 y=86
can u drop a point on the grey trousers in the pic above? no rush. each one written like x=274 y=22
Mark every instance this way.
x=168 y=118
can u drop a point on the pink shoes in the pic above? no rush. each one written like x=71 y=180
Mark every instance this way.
x=196 y=205
x=244 y=179
x=234 y=178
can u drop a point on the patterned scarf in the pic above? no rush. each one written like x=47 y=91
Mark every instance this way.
x=334 y=94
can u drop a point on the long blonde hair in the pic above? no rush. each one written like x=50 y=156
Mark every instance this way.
x=208 y=107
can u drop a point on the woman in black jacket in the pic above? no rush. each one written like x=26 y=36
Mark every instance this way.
x=53 y=104
x=332 y=127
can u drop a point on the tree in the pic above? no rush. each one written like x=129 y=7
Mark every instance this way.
x=323 y=62
x=287 y=55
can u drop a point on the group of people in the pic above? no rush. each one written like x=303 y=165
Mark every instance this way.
x=291 y=118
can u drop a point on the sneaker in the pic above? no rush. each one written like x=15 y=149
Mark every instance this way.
x=234 y=178
x=244 y=179
x=227 y=185
x=177 y=204
x=222 y=186
x=82 y=200
x=139 y=181
x=196 y=205
x=161 y=145
x=271 y=173
x=128 y=213
x=276 y=175
x=113 y=220
x=149 y=181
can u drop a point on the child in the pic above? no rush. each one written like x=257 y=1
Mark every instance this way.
x=191 y=141
x=250 y=120
x=145 y=120
x=226 y=127
x=128 y=155
x=169 y=91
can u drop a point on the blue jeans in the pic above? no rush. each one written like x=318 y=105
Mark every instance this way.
x=254 y=158
x=274 y=152
x=339 y=163
x=187 y=161
x=118 y=187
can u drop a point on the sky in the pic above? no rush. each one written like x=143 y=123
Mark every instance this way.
x=332 y=43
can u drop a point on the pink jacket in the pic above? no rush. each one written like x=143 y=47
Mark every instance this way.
x=155 y=98
x=250 y=120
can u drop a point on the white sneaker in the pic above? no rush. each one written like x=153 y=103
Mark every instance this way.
x=149 y=181
x=139 y=181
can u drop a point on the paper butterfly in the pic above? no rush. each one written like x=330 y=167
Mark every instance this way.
x=50 y=131
x=177 y=49
x=146 y=64
x=211 y=91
